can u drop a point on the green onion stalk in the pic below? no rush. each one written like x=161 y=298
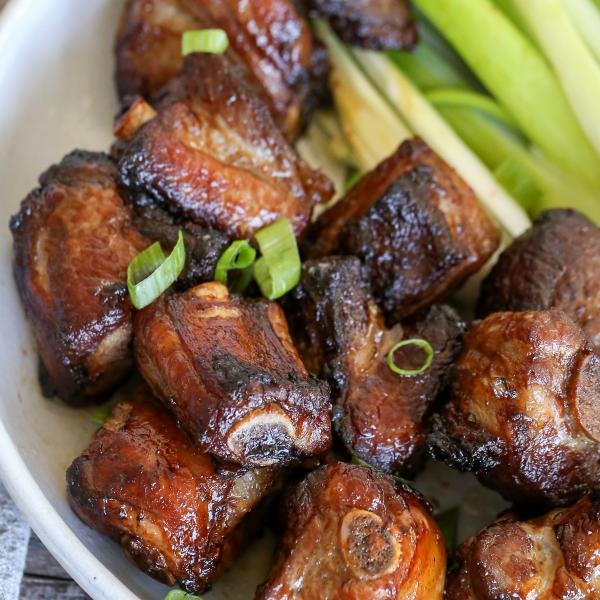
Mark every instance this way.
x=425 y=121
x=576 y=67
x=370 y=125
x=511 y=67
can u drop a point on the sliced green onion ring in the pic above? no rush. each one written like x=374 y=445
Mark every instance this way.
x=420 y=343
x=150 y=273
x=239 y=256
x=277 y=271
x=212 y=41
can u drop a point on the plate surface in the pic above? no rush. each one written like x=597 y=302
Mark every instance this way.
x=57 y=94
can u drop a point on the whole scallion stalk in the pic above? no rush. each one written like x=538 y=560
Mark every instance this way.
x=577 y=69
x=586 y=16
x=427 y=69
x=370 y=125
x=529 y=177
x=512 y=68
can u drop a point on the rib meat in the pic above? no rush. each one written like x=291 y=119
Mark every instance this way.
x=552 y=557
x=416 y=226
x=203 y=245
x=214 y=155
x=269 y=38
x=228 y=369
x=380 y=416
x=352 y=534
x=179 y=516
x=524 y=409
x=375 y=24
x=556 y=264
x=73 y=240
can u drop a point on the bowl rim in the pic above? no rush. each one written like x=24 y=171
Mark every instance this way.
x=95 y=579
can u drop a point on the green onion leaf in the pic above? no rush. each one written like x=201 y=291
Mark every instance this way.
x=574 y=64
x=514 y=175
x=181 y=595
x=518 y=75
x=353 y=176
x=586 y=16
x=150 y=273
x=239 y=256
x=448 y=523
x=277 y=271
x=102 y=412
x=213 y=41
x=420 y=343
x=360 y=462
x=427 y=69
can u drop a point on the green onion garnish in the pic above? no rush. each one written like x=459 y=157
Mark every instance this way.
x=360 y=462
x=102 y=412
x=420 y=343
x=448 y=523
x=150 y=273
x=181 y=595
x=240 y=255
x=213 y=41
x=353 y=176
x=277 y=271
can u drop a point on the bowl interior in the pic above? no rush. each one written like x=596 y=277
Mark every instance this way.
x=56 y=76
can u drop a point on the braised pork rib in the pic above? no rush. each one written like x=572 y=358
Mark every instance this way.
x=179 y=516
x=554 y=556
x=555 y=264
x=73 y=240
x=416 y=226
x=351 y=533
x=213 y=155
x=524 y=409
x=269 y=39
x=380 y=416
x=229 y=371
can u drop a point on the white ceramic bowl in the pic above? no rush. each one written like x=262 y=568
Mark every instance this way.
x=56 y=94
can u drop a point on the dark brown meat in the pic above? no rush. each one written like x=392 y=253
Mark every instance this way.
x=416 y=226
x=228 y=369
x=203 y=246
x=380 y=416
x=179 y=516
x=352 y=535
x=375 y=24
x=73 y=240
x=556 y=264
x=524 y=412
x=270 y=38
x=214 y=155
x=553 y=557
x=148 y=45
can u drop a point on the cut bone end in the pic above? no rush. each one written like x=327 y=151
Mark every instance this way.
x=369 y=549
x=137 y=115
x=263 y=437
x=211 y=291
x=586 y=392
